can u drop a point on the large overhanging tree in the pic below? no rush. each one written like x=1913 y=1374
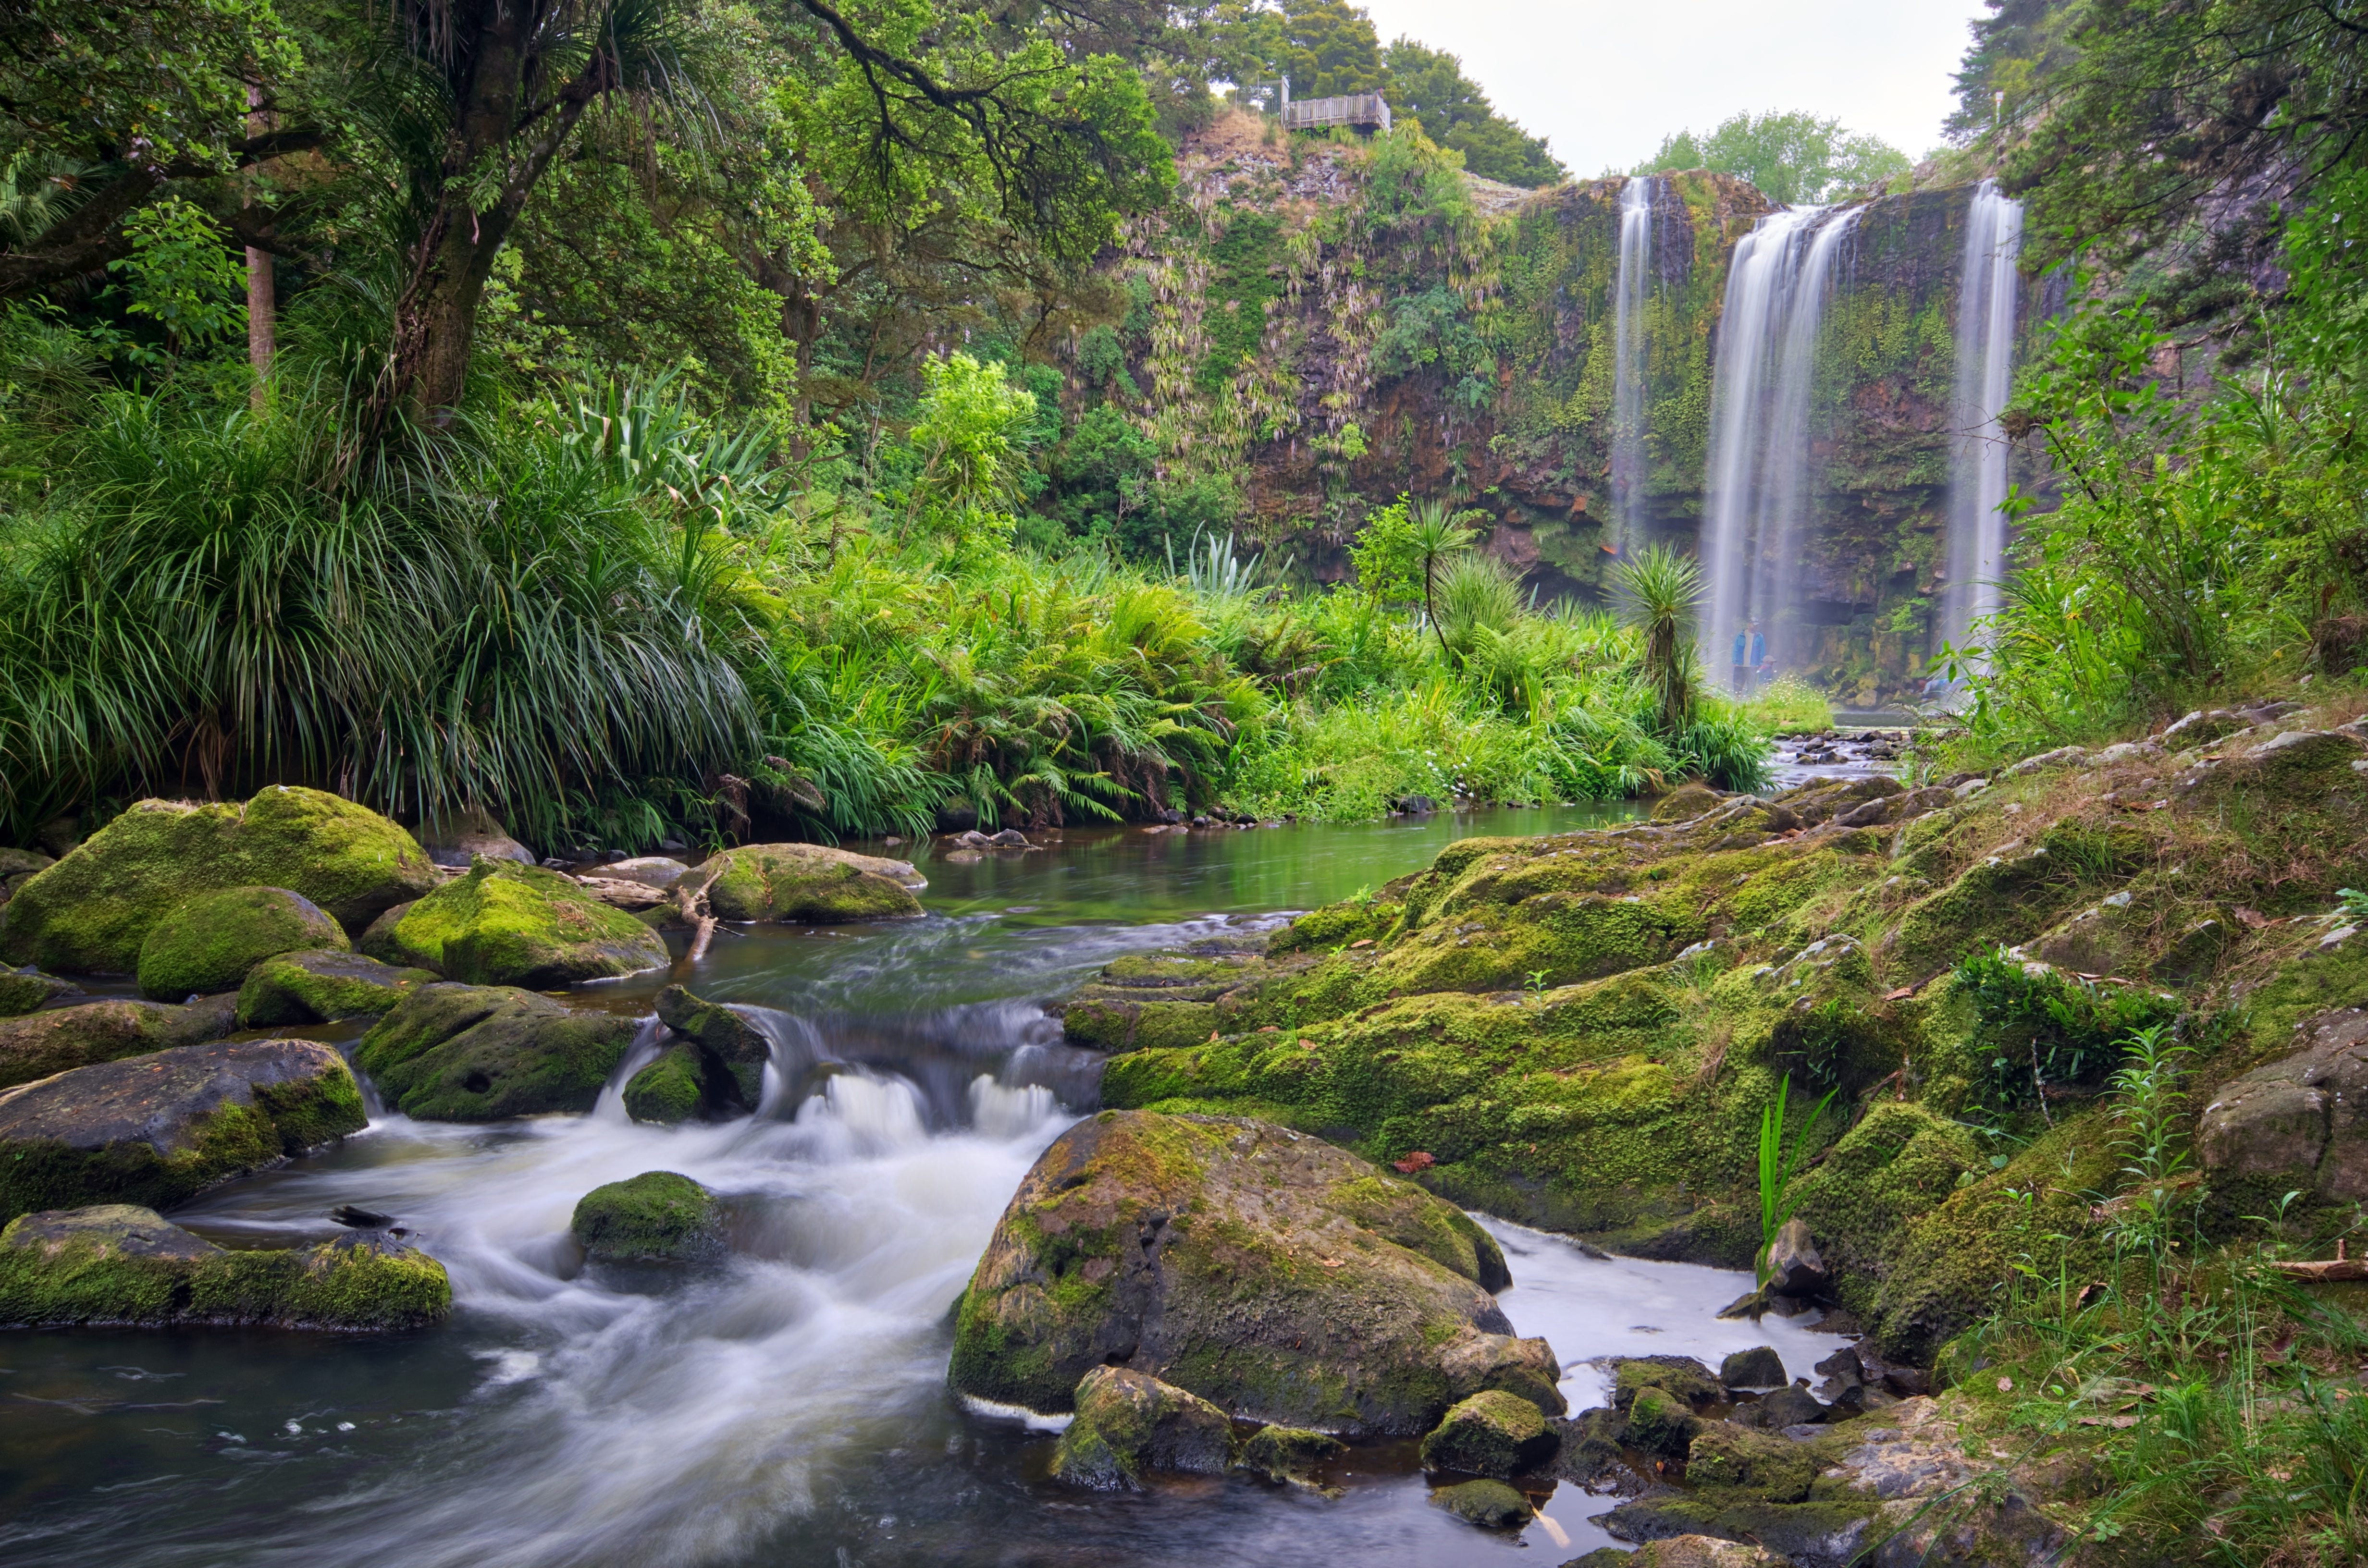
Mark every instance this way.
x=466 y=102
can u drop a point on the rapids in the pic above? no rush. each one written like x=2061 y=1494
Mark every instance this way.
x=788 y=1408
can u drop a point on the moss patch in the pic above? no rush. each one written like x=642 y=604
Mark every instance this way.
x=504 y=924
x=210 y=941
x=321 y=986
x=450 y=1052
x=656 y=1217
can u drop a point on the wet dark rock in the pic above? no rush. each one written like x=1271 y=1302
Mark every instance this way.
x=1790 y=1406
x=159 y=1129
x=714 y=1070
x=956 y=819
x=1794 y=1267
x=1128 y=1424
x=1290 y=1454
x=1416 y=805
x=27 y=990
x=355 y=1216
x=57 y=1040
x=1759 y=1367
x=1661 y=1423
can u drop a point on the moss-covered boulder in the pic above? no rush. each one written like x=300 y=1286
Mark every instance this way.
x=811 y=884
x=2301 y=1119
x=57 y=1039
x=1724 y=1454
x=504 y=924
x=1682 y=1376
x=1683 y=1551
x=209 y=942
x=1758 y=1367
x=1491 y=1505
x=321 y=986
x=656 y=1217
x=118 y=1263
x=714 y=1070
x=1492 y=1433
x=451 y=1053
x=159 y=1129
x=1661 y=1423
x=26 y=990
x=1128 y=1424
x=1277 y=1276
x=93 y=909
x=1291 y=1454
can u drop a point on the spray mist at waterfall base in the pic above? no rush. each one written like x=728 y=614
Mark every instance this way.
x=788 y=1406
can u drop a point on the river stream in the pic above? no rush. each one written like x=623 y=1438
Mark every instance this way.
x=789 y=1408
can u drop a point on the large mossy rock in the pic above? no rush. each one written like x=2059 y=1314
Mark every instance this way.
x=810 y=885
x=210 y=942
x=159 y=1129
x=714 y=1070
x=1128 y=1424
x=57 y=1039
x=27 y=990
x=322 y=986
x=656 y=1217
x=452 y=1053
x=2301 y=1120
x=93 y=908
x=504 y=924
x=1491 y=1505
x=118 y=1263
x=1277 y=1276
x=1492 y=1433
x=1683 y=1551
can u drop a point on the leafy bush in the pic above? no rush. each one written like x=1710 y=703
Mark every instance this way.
x=2042 y=1025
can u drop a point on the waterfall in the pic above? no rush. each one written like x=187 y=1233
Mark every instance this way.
x=1628 y=363
x=1753 y=535
x=1986 y=301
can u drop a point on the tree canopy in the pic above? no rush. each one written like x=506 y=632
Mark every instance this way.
x=1791 y=157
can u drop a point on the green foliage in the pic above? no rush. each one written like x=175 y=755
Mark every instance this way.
x=967 y=445
x=2039 y=1026
x=181 y=276
x=1428 y=86
x=1792 y=157
x=1779 y=1162
x=1661 y=590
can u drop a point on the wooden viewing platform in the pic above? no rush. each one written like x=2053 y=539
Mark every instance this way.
x=1359 y=111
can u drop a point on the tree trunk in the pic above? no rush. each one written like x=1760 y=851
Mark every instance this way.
x=262 y=300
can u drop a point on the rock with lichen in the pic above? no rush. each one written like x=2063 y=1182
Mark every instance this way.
x=1127 y=1425
x=451 y=1053
x=1275 y=1275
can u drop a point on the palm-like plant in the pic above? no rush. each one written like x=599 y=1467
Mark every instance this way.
x=1659 y=590
x=1437 y=533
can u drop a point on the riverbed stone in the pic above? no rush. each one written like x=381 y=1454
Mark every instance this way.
x=457 y=836
x=504 y=924
x=209 y=942
x=1683 y=1551
x=1275 y=1275
x=123 y=1264
x=57 y=1040
x=158 y=1128
x=1724 y=1454
x=2303 y=1117
x=1128 y=1424
x=656 y=1217
x=452 y=1053
x=733 y=1050
x=321 y=986
x=91 y=911
x=1661 y=1423
x=1795 y=1266
x=1682 y=1376
x=1291 y=1454
x=1758 y=1367
x=1492 y=1433
x=811 y=884
x=27 y=990
x=1491 y=1505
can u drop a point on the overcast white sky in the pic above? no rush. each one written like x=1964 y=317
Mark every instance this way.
x=1605 y=80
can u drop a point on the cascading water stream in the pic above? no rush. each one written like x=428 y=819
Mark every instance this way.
x=1977 y=467
x=1628 y=363
x=1758 y=485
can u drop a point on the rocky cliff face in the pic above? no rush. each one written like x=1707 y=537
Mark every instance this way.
x=1330 y=323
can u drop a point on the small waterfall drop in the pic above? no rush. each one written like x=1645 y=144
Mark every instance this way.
x=1628 y=363
x=1986 y=325
x=1753 y=532
x=649 y=1043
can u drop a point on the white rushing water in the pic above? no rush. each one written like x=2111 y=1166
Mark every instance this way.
x=1977 y=465
x=1759 y=485
x=1628 y=362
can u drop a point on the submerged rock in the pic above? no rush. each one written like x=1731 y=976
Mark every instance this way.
x=27 y=990
x=1491 y=1505
x=1127 y=1424
x=93 y=908
x=322 y=986
x=210 y=942
x=450 y=1052
x=159 y=1129
x=504 y=924
x=1490 y=1434
x=810 y=885
x=656 y=1217
x=118 y=1264
x=1290 y=1454
x=1275 y=1275
x=57 y=1039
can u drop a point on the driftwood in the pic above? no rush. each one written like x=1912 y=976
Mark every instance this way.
x=2335 y=1268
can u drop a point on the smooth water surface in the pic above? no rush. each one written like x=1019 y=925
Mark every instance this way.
x=789 y=1408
